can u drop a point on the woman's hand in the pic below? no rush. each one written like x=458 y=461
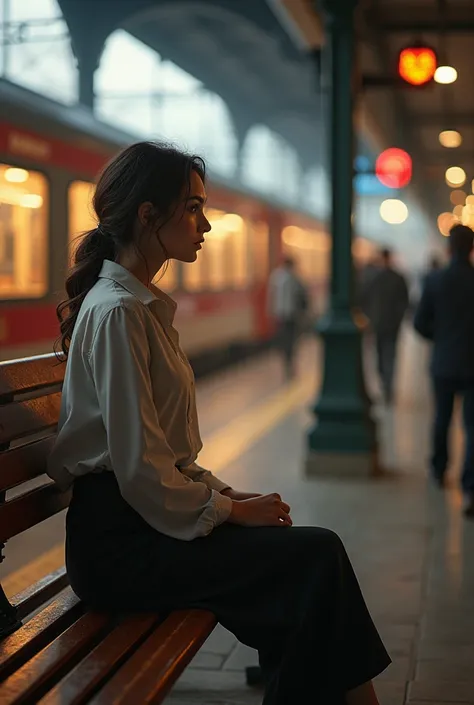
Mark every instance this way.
x=264 y=510
x=239 y=496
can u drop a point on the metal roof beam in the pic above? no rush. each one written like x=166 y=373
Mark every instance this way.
x=401 y=25
x=407 y=17
x=444 y=121
x=301 y=21
x=448 y=157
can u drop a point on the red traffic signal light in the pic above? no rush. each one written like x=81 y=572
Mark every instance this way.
x=417 y=64
x=393 y=168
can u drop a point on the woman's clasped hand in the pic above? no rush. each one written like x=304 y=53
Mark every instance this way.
x=263 y=510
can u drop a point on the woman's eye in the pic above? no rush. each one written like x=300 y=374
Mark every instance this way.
x=194 y=209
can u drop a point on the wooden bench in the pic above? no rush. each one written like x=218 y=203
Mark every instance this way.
x=52 y=650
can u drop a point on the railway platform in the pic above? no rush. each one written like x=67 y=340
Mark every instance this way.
x=409 y=543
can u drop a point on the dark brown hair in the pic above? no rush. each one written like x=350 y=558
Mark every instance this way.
x=146 y=171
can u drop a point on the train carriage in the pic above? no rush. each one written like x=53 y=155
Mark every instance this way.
x=49 y=157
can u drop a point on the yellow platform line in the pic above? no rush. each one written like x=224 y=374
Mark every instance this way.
x=224 y=446
x=221 y=448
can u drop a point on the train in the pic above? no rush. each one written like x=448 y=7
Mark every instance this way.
x=50 y=155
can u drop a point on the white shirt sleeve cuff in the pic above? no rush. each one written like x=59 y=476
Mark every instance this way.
x=223 y=507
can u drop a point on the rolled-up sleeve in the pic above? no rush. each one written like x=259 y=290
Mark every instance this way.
x=141 y=458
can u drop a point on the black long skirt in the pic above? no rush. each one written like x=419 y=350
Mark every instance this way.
x=290 y=593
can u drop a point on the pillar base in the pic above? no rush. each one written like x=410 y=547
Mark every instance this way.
x=344 y=465
x=344 y=428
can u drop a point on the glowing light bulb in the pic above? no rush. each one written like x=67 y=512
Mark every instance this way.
x=445 y=74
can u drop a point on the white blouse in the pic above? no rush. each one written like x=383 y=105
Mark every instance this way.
x=128 y=406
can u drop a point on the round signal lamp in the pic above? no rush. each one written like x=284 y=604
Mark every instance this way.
x=393 y=168
x=417 y=65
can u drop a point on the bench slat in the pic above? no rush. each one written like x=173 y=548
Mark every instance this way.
x=46 y=668
x=38 y=594
x=29 y=374
x=29 y=509
x=88 y=676
x=23 y=644
x=24 y=463
x=23 y=418
x=150 y=673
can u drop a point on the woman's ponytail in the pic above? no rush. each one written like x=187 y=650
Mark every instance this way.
x=95 y=247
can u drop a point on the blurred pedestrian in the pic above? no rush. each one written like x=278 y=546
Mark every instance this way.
x=434 y=265
x=364 y=278
x=288 y=303
x=445 y=316
x=386 y=301
x=148 y=528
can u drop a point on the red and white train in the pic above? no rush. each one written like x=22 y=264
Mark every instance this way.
x=49 y=157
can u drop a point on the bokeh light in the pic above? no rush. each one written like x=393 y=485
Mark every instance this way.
x=450 y=139
x=455 y=176
x=468 y=215
x=31 y=200
x=446 y=222
x=393 y=211
x=16 y=176
x=457 y=197
x=445 y=74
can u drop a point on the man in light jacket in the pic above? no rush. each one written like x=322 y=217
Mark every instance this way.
x=288 y=300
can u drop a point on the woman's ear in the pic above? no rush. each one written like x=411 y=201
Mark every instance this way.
x=146 y=212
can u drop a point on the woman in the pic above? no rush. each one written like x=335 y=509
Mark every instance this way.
x=147 y=528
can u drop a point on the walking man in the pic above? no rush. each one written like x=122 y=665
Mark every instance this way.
x=386 y=301
x=445 y=316
x=288 y=300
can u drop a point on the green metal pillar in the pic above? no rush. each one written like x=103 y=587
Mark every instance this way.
x=343 y=439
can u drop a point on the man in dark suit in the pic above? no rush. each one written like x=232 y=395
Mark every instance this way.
x=445 y=315
x=385 y=301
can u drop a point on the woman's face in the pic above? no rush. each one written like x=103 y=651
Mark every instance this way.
x=183 y=235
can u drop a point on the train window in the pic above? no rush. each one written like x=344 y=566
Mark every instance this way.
x=81 y=212
x=225 y=261
x=24 y=197
x=82 y=218
x=197 y=275
x=310 y=250
x=194 y=273
x=167 y=279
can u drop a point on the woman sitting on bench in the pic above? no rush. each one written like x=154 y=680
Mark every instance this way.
x=148 y=528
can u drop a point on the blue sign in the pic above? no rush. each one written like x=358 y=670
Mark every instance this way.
x=369 y=185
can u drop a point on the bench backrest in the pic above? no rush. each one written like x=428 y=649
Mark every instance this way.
x=30 y=397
